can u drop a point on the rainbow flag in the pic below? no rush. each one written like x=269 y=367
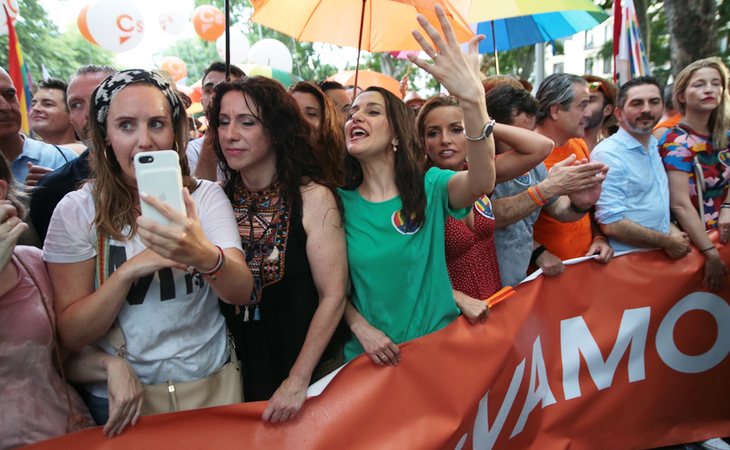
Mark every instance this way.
x=19 y=74
x=629 y=53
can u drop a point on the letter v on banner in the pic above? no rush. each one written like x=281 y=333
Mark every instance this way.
x=576 y=339
x=539 y=390
x=484 y=437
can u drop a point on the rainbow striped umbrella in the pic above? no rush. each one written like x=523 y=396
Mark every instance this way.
x=517 y=32
x=285 y=78
x=483 y=10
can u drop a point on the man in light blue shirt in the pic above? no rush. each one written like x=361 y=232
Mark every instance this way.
x=633 y=210
x=38 y=153
x=19 y=149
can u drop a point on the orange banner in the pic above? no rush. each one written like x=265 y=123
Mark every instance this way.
x=628 y=355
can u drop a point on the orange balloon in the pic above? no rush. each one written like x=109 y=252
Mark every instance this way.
x=175 y=66
x=197 y=88
x=209 y=22
x=117 y=26
x=84 y=26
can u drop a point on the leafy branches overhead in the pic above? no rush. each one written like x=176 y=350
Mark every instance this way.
x=307 y=64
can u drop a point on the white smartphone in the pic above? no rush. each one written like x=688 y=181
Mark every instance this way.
x=158 y=174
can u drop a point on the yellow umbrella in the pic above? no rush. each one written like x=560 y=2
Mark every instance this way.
x=195 y=108
x=381 y=25
x=483 y=10
x=367 y=78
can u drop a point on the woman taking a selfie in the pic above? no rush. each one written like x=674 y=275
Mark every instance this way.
x=159 y=283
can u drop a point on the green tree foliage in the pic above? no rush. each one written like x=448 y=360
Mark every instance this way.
x=519 y=62
x=43 y=45
x=659 y=36
x=306 y=60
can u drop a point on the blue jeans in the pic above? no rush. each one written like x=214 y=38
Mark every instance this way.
x=98 y=406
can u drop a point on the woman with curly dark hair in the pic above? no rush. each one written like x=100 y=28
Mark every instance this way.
x=328 y=136
x=291 y=232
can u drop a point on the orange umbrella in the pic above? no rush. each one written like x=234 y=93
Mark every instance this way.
x=383 y=25
x=372 y=25
x=367 y=78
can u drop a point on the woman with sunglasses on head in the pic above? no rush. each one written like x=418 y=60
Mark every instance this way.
x=171 y=327
x=697 y=158
x=395 y=213
x=291 y=230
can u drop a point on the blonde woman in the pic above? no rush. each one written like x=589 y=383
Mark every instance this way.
x=697 y=159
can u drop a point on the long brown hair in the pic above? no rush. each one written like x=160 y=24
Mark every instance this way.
x=116 y=203
x=331 y=141
x=432 y=104
x=720 y=117
x=296 y=161
x=409 y=169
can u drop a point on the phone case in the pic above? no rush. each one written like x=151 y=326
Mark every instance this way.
x=158 y=174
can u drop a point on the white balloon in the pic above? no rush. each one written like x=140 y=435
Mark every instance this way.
x=173 y=21
x=12 y=6
x=272 y=53
x=117 y=26
x=239 y=46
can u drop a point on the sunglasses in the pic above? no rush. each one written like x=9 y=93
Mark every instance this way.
x=596 y=85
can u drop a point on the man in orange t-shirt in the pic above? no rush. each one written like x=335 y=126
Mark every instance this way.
x=562 y=117
x=671 y=116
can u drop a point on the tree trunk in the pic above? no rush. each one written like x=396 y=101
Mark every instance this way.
x=692 y=31
x=527 y=62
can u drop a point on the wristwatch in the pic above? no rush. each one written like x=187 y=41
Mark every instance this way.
x=486 y=132
x=578 y=210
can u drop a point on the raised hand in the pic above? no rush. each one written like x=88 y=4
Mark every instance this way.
x=457 y=71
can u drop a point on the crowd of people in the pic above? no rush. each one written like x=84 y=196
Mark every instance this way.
x=318 y=226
